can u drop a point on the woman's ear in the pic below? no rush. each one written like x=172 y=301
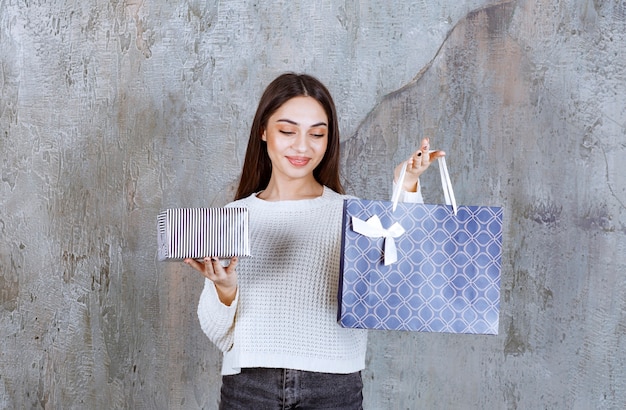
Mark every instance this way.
x=263 y=136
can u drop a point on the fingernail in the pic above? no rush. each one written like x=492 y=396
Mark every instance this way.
x=213 y=258
x=419 y=154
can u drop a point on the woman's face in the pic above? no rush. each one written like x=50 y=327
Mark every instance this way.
x=297 y=137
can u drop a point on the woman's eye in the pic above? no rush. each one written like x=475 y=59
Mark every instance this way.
x=317 y=133
x=285 y=132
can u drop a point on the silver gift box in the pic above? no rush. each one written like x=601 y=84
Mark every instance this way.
x=200 y=232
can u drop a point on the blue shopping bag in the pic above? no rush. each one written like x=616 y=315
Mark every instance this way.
x=420 y=267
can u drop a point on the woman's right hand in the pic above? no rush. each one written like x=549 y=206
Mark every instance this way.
x=224 y=278
x=416 y=165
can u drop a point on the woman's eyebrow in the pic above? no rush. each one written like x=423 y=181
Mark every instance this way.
x=319 y=124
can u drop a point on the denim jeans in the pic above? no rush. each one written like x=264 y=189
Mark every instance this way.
x=261 y=388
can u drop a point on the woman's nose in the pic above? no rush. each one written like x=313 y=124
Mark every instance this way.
x=300 y=143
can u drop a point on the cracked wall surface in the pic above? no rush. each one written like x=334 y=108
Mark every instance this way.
x=110 y=112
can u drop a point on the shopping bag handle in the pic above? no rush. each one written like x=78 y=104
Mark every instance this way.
x=446 y=184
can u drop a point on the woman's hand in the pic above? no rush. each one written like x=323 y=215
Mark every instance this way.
x=416 y=165
x=224 y=278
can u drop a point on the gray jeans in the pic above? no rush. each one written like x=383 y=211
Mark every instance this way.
x=261 y=388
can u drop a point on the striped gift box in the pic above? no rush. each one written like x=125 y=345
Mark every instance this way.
x=200 y=232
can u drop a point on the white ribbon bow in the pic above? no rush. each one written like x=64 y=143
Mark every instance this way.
x=373 y=228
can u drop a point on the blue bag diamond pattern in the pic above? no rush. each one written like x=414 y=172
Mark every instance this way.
x=446 y=277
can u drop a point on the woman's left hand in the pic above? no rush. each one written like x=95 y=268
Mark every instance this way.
x=416 y=165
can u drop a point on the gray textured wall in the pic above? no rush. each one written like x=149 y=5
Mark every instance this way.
x=112 y=111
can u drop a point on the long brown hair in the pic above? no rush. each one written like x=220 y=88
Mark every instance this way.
x=257 y=167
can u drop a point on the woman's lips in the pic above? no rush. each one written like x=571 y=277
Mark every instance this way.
x=298 y=161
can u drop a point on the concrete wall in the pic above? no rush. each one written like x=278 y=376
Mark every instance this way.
x=112 y=111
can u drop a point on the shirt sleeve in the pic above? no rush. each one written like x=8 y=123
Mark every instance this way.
x=216 y=319
x=414 y=197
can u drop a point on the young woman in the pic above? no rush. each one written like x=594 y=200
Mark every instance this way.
x=274 y=315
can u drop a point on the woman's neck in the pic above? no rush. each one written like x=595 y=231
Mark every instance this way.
x=291 y=191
